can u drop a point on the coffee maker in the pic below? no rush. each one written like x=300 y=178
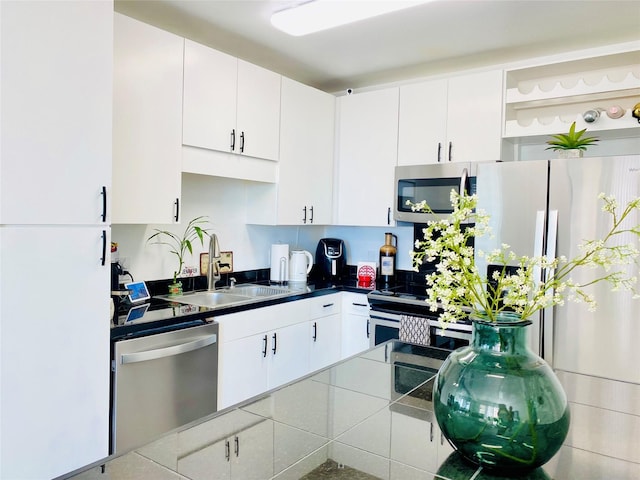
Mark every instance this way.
x=331 y=259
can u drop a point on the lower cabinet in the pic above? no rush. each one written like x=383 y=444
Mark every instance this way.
x=416 y=444
x=246 y=454
x=255 y=364
x=355 y=324
x=264 y=348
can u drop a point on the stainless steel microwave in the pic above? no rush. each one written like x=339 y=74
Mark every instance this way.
x=433 y=184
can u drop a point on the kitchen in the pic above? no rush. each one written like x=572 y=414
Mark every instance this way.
x=219 y=198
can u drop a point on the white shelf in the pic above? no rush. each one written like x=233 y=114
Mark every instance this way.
x=556 y=89
x=546 y=99
x=560 y=124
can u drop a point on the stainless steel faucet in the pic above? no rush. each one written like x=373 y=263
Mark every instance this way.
x=213 y=274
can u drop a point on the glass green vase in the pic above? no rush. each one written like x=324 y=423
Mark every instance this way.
x=498 y=403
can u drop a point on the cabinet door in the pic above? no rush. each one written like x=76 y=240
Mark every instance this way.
x=367 y=149
x=325 y=335
x=422 y=128
x=355 y=324
x=258 y=111
x=54 y=370
x=289 y=350
x=210 y=90
x=474 y=123
x=209 y=463
x=414 y=442
x=147 y=123
x=252 y=452
x=306 y=154
x=56 y=111
x=242 y=369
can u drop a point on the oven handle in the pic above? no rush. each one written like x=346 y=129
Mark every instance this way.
x=168 y=351
x=453 y=333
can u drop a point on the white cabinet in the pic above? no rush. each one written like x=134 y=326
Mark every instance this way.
x=246 y=454
x=325 y=326
x=56 y=114
x=261 y=349
x=56 y=157
x=147 y=127
x=451 y=120
x=417 y=443
x=367 y=153
x=304 y=192
x=229 y=105
x=355 y=324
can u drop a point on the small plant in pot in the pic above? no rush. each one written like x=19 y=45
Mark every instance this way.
x=571 y=144
x=179 y=246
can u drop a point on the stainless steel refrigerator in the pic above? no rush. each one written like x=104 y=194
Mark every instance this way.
x=551 y=206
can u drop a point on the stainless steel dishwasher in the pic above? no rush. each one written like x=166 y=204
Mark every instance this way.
x=162 y=381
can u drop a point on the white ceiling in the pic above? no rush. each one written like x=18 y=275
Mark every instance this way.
x=424 y=40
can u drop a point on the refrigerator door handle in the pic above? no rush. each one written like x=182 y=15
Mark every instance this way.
x=463 y=181
x=547 y=318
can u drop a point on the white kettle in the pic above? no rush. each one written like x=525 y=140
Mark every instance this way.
x=300 y=265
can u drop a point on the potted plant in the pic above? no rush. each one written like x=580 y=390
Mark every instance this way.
x=180 y=245
x=500 y=404
x=572 y=144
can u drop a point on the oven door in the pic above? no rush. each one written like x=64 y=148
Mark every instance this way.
x=385 y=325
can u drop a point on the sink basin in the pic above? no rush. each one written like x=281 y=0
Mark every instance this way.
x=207 y=299
x=257 y=291
x=246 y=293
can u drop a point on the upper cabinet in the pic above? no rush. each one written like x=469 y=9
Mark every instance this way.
x=367 y=154
x=451 y=120
x=55 y=108
x=230 y=105
x=545 y=99
x=304 y=192
x=147 y=123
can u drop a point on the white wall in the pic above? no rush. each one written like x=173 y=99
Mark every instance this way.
x=224 y=201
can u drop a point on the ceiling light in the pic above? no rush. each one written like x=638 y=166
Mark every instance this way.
x=318 y=15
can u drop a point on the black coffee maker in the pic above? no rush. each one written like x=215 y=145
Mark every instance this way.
x=331 y=259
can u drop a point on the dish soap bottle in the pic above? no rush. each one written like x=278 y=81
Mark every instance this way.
x=388 y=261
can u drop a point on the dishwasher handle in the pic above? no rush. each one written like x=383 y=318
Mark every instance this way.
x=168 y=351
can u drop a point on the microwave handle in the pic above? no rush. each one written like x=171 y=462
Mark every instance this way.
x=463 y=181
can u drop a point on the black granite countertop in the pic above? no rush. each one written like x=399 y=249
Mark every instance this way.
x=157 y=314
x=367 y=417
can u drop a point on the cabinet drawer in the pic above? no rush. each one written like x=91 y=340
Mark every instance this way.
x=355 y=304
x=323 y=306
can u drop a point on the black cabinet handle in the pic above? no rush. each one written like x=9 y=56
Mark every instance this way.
x=359 y=304
x=177 y=204
x=233 y=139
x=431 y=432
x=103 y=260
x=315 y=331
x=236 y=440
x=275 y=343
x=241 y=142
x=439 y=151
x=450 y=148
x=227 y=450
x=264 y=346
x=104 y=204
x=304 y=216
x=368 y=333
x=311 y=208
x=389 y=216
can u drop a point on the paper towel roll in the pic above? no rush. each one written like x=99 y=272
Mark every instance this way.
x=279 y=263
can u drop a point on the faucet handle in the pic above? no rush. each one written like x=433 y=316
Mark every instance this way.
x=232 y=282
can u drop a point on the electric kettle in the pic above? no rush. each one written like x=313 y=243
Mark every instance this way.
x=300 y=265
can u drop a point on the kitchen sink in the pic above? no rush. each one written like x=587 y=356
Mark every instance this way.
x=228 y=296
x=257 y=290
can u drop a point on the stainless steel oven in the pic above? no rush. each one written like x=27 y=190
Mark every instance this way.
x=162 y=381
